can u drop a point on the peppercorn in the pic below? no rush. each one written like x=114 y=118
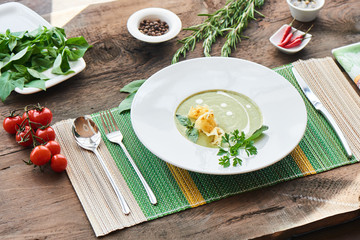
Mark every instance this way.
x=153 y=27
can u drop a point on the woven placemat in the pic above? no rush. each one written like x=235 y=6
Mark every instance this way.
x=177 y=189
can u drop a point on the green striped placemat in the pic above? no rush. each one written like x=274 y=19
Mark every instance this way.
x=177 y=189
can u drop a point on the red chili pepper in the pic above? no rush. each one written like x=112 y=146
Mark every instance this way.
x=294 y=43
x=287 y=39
x=287 y=31
x=297 y=41
x=301 y=37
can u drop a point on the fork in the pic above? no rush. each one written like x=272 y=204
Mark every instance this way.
x=112 y=132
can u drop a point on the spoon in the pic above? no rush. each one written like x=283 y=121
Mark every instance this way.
x=87 y=136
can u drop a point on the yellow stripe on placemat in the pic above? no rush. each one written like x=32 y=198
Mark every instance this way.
x=302 y=161
x=187 y=186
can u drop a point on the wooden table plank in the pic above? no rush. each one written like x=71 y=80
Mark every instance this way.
x=44 y=205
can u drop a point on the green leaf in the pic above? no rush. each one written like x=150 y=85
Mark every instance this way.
x=133 y=86
x=12 y=43
x=192 y=134
x=77 y=47
x=19 y=55
x=58 y=37
x=37 y=74
x=14 y=57
x=61 y=65
x=37 y=31
x=52 y=52
x=184 y=120
x=36 y=84
x=41 y=63
x=224 y=161
x=257 y=133
x=237 y=161
x=126 y=103
x=250 y=149
x=7 y=85
x=21 y=69
x=225 y=138
x=221 y=151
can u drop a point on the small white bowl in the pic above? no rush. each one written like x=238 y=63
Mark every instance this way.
x=276 y=38
x=305 y=14
x=165 y=15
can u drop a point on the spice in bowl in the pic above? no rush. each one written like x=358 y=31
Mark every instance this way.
x=153 y=27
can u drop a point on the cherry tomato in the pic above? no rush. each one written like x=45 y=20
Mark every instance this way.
x=45 y=135
x=25 y=120
x=40 y=155
x=53 y=146
x=11 y=124
x=40 y=118
x=58 y=163
x=24 y=137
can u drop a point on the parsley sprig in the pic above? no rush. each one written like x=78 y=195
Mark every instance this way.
x=236 y=141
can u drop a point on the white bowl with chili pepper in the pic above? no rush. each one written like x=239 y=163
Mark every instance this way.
x=291 y=47
x=305 y=10
x=167 y=24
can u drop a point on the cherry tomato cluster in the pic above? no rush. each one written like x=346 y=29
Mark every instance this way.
x=32 y=128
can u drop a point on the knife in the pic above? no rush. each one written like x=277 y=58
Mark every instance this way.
x=314 y=100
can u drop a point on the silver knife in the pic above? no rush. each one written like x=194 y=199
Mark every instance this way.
x=314 y=100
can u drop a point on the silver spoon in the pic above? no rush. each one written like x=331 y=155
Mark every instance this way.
x=87 y=136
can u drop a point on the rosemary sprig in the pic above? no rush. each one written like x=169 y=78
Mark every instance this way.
x=229 y=21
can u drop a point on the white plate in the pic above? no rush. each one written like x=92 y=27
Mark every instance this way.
x=17 y=17
x=153 y=110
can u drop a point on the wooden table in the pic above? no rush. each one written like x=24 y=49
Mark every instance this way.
x=39 y=205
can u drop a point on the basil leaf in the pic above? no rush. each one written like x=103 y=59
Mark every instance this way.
x=20 y=69
x=37 y=74
x=58 y=37
x=61 y=65
x=41 y=63
x=184 y=120
x=126 y=103
x=37 y=32
x=192 y=134
x=7 y=85
x=19 y=55
x=14 y=57
x=12 y=43
x=133 y=86
x=36 y=84
x=77 y=47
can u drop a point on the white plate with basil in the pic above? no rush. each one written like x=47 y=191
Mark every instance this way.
x=238 y=96
x=46 y=65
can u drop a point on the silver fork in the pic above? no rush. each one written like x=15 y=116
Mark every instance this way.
x=114 y=135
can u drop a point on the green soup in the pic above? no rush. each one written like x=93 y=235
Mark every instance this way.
x=232 y=111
